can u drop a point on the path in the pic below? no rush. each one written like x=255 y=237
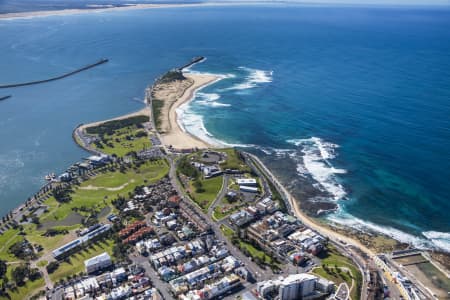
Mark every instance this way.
x=220 y=195
x=111 y=189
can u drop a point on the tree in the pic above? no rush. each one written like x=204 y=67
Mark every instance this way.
x=20 y=273
x=3 y=268
x=35 y=220
x=52 y=267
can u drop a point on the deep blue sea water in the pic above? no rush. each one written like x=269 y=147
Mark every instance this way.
x=356 y=99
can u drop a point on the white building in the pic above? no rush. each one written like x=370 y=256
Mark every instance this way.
x=246 y=182
x=97 y=263
x=297 y=286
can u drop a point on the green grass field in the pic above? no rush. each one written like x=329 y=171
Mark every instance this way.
x=340 y=269
x=227 y=231
x=118 y=143
x=76 y=264
x=97 y=193
x=7 y=239
x=212 y=187
x=233 y=161
x=24 y=292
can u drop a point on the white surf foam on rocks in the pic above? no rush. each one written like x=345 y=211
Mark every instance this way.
x=316 y=161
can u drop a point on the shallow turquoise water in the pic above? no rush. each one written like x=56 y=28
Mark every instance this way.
x=357 y=98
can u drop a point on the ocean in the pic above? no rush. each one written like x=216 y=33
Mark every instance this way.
x=350 y=106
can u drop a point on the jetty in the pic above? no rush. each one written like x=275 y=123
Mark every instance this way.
x=100 y=62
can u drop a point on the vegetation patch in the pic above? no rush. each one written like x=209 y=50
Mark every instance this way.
x=110 y=127
x=204 y=191
x=338 y=268
x=234 y=160
x=121 y=141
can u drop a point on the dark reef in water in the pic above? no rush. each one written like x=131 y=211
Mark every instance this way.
x=313 y=201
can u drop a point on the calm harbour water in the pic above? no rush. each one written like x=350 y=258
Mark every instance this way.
x=356 y=99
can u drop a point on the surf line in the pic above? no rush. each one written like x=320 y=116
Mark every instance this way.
x=100 y=62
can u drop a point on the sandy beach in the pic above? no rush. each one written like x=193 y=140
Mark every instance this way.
x=91 y=9
x=172 y=134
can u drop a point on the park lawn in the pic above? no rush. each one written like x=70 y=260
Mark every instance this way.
x=227 y=231
x=42 y=263
x=218 y=214
x=27 y=290
x=212 y=187
x=76 y=264
x=7 y=239
x=98 y=192
x=233 y=161
x=252 y=250
x=120 y=145
x=333 y=259
x=35 y=236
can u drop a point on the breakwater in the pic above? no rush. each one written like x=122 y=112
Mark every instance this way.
x=5 y=97
x=100 y=62
x=193 y=62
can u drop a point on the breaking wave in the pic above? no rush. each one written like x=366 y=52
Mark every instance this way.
x=430 y=239
x=315 y=161
x=210 y=99
x=440 y=239
x=254 y=78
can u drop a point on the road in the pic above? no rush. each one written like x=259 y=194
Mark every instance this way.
x=157 y=282
x=221 y=194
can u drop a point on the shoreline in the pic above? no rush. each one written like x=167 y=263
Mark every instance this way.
x=143 y=111
x=75 y=11
x=295 y=210
x=177 y=136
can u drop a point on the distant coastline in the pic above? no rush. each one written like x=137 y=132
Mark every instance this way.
x=91 y=9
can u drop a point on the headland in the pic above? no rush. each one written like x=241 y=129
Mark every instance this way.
x=167 y=95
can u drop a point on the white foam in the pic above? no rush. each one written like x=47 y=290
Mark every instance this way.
x=316 y=162
x=210 y=99
x=440 y=239
x=193 y=123
x=253 y=79
x=431 y=240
